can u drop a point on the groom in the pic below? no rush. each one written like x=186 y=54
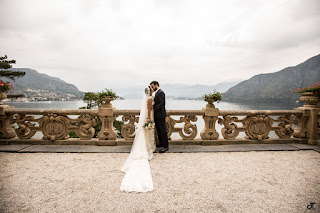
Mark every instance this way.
x=160 y=116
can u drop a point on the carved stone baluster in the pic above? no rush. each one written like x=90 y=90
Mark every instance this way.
x=257 y=127
x=25 y=126
x=54 y=127
x=128 y=130
x=285 y=125
x=301 y=129
x=106 y=115
x=308 y=124
x=210 y=117
x=229 y=131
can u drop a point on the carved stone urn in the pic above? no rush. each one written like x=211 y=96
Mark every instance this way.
x=310 y=98
x=106 y=101
x=210 y=102
x=2 y=96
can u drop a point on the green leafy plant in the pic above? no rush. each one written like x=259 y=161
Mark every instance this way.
x=313 y=88
x=215 y=96
x=94 y=99
x=91 y=99
x=107 y=92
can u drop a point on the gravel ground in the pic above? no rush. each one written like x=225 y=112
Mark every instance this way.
x=282 y=181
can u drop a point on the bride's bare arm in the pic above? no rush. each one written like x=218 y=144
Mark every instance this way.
x=149 y=108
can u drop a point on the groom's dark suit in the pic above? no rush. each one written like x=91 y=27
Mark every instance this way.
x=160 y=118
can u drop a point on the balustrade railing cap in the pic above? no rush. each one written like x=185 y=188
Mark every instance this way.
x=211 y=112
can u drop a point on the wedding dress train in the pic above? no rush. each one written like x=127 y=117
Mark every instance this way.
x=136 y=168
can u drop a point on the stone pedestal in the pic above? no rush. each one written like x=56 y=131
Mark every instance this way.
x=6 y=131
x=308 y=126
x=312 y=126
x=210 y=117
x=106 y=115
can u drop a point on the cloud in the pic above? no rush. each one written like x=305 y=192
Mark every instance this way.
x=115 y=43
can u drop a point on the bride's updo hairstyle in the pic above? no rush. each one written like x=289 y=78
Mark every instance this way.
x=147 y=90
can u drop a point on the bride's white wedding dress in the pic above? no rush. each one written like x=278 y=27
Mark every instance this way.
x=138 y=175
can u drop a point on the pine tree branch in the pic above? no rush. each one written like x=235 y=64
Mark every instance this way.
x=15 y=96
x=13 y=75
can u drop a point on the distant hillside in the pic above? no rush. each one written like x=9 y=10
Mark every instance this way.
x=34 y=80
x=274 y=87
x=178 y=90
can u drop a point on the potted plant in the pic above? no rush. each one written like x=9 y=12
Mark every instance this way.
x=105 y=97
x=212 y=97
x=4 y=88
x=310 y=95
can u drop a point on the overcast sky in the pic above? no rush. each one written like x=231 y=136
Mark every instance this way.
x=95 y=44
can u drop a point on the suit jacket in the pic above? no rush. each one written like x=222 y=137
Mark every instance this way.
x=159 y=105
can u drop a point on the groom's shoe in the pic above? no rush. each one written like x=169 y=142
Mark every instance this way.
x=163 y=150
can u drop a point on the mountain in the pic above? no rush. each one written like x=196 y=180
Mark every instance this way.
x=182 y=91
x=34 y=82
x=275 y=87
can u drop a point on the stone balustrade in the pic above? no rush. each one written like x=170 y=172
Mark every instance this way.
x=298 y=125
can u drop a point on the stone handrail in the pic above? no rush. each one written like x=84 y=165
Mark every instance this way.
x=55 y=124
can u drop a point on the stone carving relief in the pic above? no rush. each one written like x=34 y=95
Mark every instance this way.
x=187 y=132
x=257 y=127
x=285 y=126
x=25 y=128
x=54 y=127
x=128 y=130
x=85 y=129
x=230 y=129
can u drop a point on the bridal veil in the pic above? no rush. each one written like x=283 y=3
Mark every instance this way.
x=136 y=168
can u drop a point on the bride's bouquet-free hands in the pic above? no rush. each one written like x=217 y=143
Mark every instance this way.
x=149 y=125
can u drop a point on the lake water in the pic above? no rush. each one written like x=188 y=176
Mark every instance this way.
x=135 y=104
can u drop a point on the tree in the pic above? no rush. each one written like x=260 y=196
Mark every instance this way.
x=13 y=75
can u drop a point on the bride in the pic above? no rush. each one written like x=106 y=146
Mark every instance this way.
x=136 y=168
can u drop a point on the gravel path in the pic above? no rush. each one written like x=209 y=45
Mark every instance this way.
x=280 y=181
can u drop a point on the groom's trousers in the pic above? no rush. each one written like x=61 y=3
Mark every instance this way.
x=162 y=132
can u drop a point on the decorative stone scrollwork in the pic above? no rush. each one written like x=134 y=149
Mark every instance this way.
x=6 y=131
x=189 y=130
x=169 y=126
x=86 y=131
x=25 y=130
x=257 y=127
x=285 y=125
x=54 y=127
x=229 y=131
x=128 y=130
